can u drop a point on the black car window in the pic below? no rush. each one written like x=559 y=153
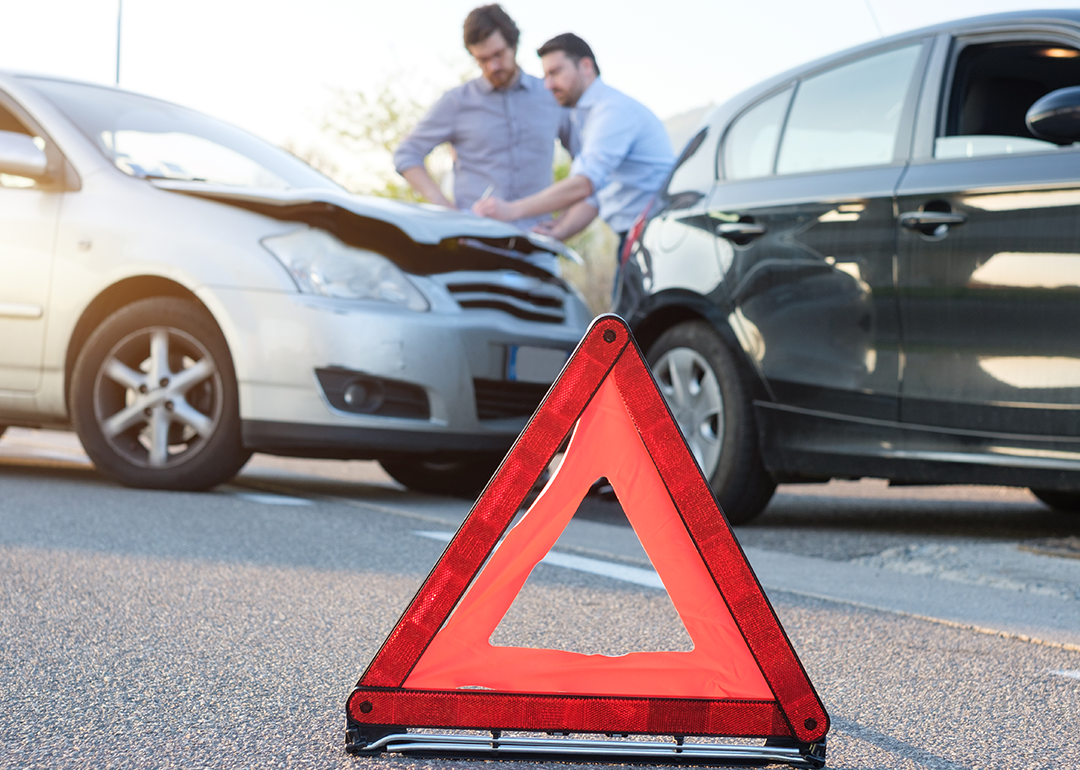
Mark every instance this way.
x=850 y=115
x=9 y=122
x=750 y=144
x=686 y=184
x=993 y=86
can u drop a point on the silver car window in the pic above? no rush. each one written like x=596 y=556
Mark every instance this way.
x=145 y=137
x=848 y=116
x=750 y=144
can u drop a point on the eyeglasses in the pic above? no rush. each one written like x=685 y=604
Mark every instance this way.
x=484 y=60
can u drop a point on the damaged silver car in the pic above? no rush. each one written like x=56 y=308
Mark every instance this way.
x=182 y=294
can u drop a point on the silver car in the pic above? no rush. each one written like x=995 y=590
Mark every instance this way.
x=182 y=294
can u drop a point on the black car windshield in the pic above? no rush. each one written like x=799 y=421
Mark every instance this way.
x=149 y=138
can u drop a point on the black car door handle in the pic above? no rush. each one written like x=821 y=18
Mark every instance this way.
x=739 y=230
x=920 y=220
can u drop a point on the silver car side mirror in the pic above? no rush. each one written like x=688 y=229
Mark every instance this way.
x=19 y=156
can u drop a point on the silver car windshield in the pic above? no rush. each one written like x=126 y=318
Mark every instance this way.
x=149 y=138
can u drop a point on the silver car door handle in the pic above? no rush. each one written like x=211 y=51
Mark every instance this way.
x=739 y=230
x=20 y=310
x=919 y=219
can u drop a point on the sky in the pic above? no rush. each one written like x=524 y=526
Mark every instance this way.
x=274 y=67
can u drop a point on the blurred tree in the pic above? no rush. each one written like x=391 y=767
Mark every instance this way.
x=377 y=125
x=317 y=160
x=596 y=244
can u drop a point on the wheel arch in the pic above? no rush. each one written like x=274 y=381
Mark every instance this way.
x=111 y=299
x=670 y=308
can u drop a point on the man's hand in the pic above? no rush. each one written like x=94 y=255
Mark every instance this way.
x=559 y=196
x=495 y=208
x=547 y=227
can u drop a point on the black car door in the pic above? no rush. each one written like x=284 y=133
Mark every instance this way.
x=806 y=226
x=989 y=249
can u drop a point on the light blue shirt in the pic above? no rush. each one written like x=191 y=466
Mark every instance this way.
x=503 y=138
x=620 y=146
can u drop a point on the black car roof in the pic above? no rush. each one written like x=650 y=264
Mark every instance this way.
x=1057 y=16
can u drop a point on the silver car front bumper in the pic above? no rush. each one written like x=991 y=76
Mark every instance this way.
x=291 y=351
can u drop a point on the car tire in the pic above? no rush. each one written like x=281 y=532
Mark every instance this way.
x=710 y=401
x=1059 y=501
x=154 y=398
x=460 y=476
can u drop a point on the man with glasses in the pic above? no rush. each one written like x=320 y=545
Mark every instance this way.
x=502 y=125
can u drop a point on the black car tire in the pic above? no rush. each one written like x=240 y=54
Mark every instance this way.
x=1059 y=501
x=154 y=398
x=710 y=400
x=461 y=476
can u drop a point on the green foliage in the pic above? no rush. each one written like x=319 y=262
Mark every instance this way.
x=377 y=125
x=596 y=244
x=317 y=160
x=561 y=164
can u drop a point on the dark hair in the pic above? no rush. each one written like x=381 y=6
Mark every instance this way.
x=571 y=45
x=483 y=22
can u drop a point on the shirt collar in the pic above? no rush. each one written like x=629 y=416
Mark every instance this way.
x=486 y=87
x=591 y=94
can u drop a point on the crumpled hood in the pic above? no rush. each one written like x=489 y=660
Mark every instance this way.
x=423 y=223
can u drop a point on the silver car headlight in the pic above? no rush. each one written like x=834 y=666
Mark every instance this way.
x=321 y=264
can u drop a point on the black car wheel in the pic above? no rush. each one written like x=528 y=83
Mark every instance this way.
x=704 y=389
x=154 y=398
x=461 y=476
x=1061 y=501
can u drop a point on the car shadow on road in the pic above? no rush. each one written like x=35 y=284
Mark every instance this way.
x=845 y=520
x=838 y=521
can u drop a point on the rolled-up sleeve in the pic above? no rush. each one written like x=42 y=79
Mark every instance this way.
x=605 y=144
x=436 y=127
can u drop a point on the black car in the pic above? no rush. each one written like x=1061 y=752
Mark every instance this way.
x=870 y=267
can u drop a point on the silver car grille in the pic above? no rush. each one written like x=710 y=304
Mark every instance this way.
x=498 y=399
x=519 y=295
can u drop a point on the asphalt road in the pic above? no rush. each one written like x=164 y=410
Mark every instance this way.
x=153 y=629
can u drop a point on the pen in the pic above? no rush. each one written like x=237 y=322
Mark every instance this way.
x=487 y=193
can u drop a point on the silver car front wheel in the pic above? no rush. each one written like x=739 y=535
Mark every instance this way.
x=155 y=398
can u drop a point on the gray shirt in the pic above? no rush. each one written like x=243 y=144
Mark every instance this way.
x=504 y=138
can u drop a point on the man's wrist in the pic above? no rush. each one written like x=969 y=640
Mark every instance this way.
x=514 y=210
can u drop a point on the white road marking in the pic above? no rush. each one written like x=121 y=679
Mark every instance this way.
x=636 y=575
x=1069 y=674
x=252 y=497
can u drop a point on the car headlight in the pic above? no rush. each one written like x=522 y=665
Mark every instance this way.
x=321 y=264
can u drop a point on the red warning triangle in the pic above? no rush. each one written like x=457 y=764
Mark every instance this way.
x=742 y=678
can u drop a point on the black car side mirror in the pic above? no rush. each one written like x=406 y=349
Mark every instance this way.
x=1056 y=116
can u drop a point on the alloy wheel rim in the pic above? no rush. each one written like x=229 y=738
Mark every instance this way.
x=693 y=394
x=158 y=397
